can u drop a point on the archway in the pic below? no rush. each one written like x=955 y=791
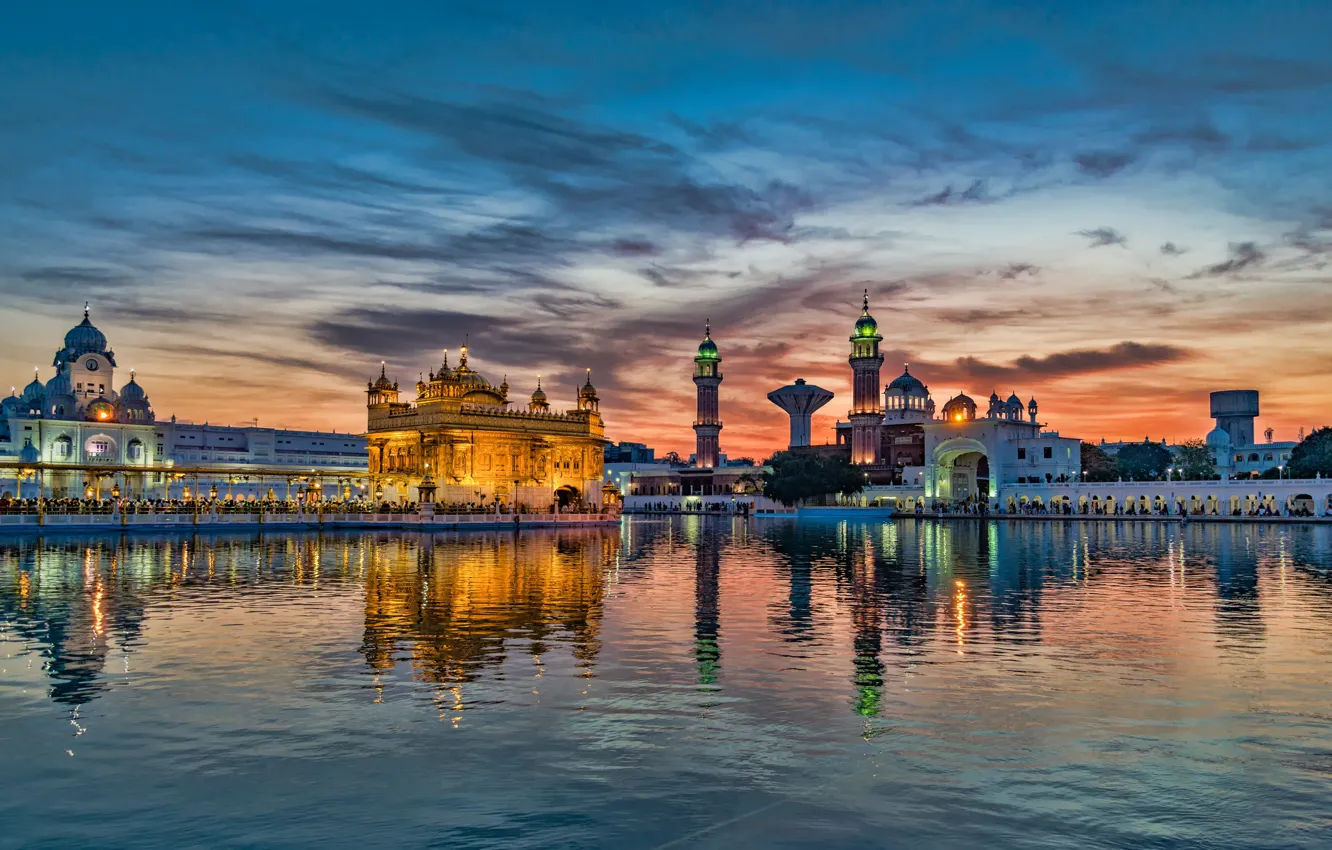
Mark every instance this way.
x=1301 y=504
x=961 y=471
x=566 y=496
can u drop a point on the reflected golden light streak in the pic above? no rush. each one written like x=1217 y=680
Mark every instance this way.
x=960 y=612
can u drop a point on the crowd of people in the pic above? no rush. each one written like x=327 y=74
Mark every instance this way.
x=136 y=506
x=691 y=508
x=1116 y=508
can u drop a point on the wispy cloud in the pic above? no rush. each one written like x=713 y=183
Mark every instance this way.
x=1102 y=236
x=1243 y=255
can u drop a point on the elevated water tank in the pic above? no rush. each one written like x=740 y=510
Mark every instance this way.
x=1234 y=412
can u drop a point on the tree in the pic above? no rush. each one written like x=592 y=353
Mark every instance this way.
x=1195 y=461
x=796 y=477
x=673 y=458
x=1313 y=455
x=1145 y=461
x=1098 y=465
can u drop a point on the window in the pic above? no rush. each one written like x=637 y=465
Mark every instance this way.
x=1239 y=457
x=1049 y=452
x=1022 y=454
x=64 y=447
x=135 y=450
x=99 y=448
x=1268 y=456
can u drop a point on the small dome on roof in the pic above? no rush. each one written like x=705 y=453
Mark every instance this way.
x=1013 y=399
x=959 y=407
x=1218 y=436
x=994 y=398
x=907 y=382
x=29 y=453
x=132 y=392
x=12 y=405
x=59 y=385
x=35 y=393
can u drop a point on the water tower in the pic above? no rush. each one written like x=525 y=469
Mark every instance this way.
x=800 y=400
x=1234 y=412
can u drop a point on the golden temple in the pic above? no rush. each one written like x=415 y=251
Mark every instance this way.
x=462 y=437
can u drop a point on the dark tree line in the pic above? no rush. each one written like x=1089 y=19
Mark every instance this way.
x=800 y=477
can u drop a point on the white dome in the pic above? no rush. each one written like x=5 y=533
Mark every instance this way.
x=1218 y=436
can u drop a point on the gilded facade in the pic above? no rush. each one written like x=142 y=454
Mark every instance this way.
x=476 y=448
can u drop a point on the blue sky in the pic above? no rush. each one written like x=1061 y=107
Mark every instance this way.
x=1113 y=207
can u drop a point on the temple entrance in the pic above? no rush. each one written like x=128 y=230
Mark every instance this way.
x=566 y=497
x=961 y=471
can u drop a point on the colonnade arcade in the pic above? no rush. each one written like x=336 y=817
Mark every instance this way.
x=1196 y=498
x=73 y=481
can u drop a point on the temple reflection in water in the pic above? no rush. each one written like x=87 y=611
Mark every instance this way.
x=876 y=601
x=452 y=607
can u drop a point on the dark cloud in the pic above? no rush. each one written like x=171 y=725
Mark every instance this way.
x=974 y=193
x=1200 y=137
x=1163 y=285
x=1124 y=355
x=1102 y=164
x=1170 y=249
x=1013 y=271
x=592 y=175
x=717 y=135
x=1243 y=255
x=634 y=248
x=77 y=282
x=1103 y=236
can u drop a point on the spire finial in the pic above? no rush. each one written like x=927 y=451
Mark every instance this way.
x=707 y=329
x=866 y=302
x=382 y=367
x=85 y=311
x=538 y=382
x=132 y=374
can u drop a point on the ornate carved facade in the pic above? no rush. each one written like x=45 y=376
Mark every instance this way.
x=462 y=431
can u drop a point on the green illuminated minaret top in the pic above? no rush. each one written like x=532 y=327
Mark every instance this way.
x=707 y=349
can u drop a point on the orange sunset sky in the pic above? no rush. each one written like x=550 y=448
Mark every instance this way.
x=1083 y=210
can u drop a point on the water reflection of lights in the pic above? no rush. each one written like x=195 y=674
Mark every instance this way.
x=99 y=617
x=960 y=612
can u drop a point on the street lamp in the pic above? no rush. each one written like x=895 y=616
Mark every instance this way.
x=1280 y=471
x=1170 y=473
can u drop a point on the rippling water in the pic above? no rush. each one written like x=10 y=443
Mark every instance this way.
x=684 y=683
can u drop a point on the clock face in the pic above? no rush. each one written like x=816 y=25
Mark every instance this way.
x=90 y=365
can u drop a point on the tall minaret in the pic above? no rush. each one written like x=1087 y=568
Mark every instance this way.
x=866 y=412
x=707 y=425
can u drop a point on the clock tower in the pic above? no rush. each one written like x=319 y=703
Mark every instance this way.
x=86 y=367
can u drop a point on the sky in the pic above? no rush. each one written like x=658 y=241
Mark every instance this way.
x=1114 y=208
